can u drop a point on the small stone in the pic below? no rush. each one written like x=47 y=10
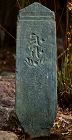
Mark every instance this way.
x=5 y=135
x=4 y=116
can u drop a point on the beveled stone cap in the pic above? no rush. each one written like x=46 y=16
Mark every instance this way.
x=36 y=9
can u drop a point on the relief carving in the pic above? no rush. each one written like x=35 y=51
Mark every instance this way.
x=35 y=49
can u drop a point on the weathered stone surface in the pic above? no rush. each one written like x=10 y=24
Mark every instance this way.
x=7 y=90
x=7 y=97
x=36 y=86
x=4 y=135
x=4 y=116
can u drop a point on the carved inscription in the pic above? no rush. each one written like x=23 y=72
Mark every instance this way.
x=35 y=50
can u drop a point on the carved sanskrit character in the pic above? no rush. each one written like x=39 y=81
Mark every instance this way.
x=35 y=49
